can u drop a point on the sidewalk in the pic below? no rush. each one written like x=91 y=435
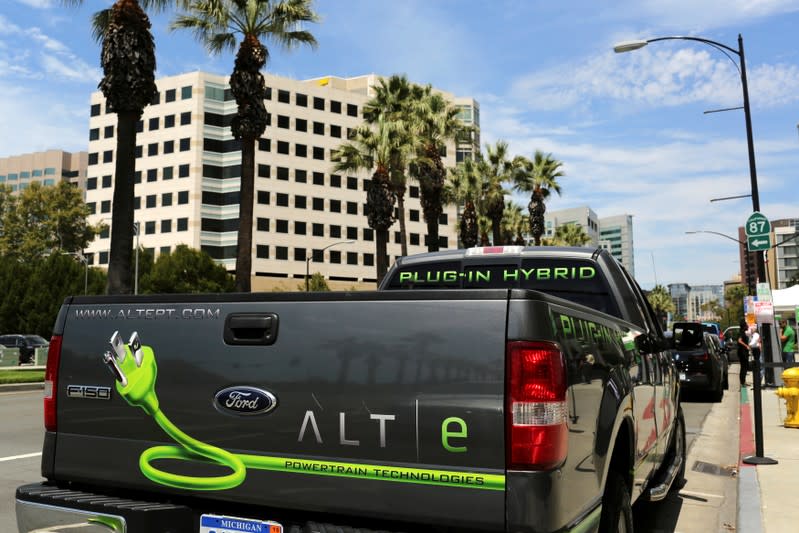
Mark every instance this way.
x=770 y=491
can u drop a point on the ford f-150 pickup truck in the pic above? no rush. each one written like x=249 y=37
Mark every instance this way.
x=491 y=389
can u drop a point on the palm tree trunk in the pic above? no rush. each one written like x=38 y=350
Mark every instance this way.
x=381 y=250
x=496 y=230
x=430 y=188
x=119 y=275
x=244 y=242
x=401 y=216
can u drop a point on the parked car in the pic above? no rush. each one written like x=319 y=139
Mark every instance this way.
x=27 y=345
x=731 y=342
x=700 y=364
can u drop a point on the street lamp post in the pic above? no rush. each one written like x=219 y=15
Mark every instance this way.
x=629 y=46
x=308 y=259
x=136 y=228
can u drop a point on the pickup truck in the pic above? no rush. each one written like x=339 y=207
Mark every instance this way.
x=491 y=389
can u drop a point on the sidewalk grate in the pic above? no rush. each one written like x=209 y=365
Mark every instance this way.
x=716 y=470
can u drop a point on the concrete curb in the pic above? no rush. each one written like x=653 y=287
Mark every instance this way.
x=750 y=517
x=17 y=387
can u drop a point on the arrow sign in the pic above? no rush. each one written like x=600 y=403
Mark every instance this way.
x=758 y=243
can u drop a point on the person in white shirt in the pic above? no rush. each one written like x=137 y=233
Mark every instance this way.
x=755 y=353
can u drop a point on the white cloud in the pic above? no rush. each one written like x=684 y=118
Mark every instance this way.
x=705 y=14
x=38 y=4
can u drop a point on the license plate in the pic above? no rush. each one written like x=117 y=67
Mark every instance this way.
x=231 y=524
x=682 y=376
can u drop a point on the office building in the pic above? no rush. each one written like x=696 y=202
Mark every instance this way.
x=582 y=216
x=188 y=170
x=616 y=236
x=679 y=295
x=700 y=299
x=783 y=258
x=46 y=168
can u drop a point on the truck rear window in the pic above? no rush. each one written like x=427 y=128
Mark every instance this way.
x=576 y=280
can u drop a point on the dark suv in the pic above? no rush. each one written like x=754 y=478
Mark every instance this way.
x=27 y=345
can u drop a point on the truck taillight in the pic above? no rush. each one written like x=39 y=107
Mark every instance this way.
x=51 y=382
x=536 y=411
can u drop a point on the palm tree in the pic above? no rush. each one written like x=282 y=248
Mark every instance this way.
x=128 y=84
x=463 y=188
x=496 y=169
x=661 y=302
x=374 y=148
x=217 y=24
x=393 y=101
x=435 y=121
x=538 y=177
x=513 y=224
x=570 y=234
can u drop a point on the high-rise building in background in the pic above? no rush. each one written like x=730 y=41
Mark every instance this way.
x=616 y=236
x=47 y=168
x=679 y=295
x=783 y=259
x=700 y=299
x=188 y=169
x=582 y=216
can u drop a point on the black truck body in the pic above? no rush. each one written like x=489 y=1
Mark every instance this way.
x=486 y=398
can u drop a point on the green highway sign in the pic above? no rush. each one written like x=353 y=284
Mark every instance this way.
x=757 y=225
x=758 y=243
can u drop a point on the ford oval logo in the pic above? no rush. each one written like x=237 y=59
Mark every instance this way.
x=244 y=401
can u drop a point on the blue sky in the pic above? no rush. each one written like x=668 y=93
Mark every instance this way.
x=629 y=128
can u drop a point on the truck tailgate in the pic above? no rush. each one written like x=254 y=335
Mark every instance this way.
x=383 y=405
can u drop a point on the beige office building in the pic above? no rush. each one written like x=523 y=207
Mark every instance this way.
x=46 y=168
x=188 y=170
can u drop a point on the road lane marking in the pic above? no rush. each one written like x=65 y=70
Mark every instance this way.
x=23 y=456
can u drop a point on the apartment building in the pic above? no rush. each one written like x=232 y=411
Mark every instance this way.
x=188 y=171
x=783 y=259
x=583 y=216
x=46 y=168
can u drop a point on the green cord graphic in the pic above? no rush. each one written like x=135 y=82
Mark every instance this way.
x=134 y=368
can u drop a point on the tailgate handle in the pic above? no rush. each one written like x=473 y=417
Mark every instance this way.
x=251 y=329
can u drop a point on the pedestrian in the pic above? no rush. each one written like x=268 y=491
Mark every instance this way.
x=755 y=354
x=788 y=340
x=743 y=351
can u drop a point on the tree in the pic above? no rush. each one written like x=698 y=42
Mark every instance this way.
x=316 y=283
x=463 y=188
x=734 y=304
x=128 y=84
x=436 y=123
x=186 y=270
x=661 y=302
x=43 y=220
x=374 y=148
x=570 y=234
x=496 y=169
x=539 y=177
x=513 y=224
x=794 y=280
x=217 y=24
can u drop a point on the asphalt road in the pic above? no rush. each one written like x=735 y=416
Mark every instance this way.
x=20 y=447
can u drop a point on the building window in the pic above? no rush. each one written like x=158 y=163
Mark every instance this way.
x=166 y=173
x=183 y=197
x=352 y=233
x=352 y=110
x=335 y=206
x=103 y=258
x=283 y=121
x=414 y=191
x=185 y=118
x=335 y=231
x=335 y=180
x=262 y=251
x=156 y=98
x=93 y=158
x=283 y=173
x=299 y=228
x=166 y=199
x=352 y=208
x=368 y=259
x=442 y=220
x=300 y=150
x=299 y=202
x=152 y=149
x=169 y=147
x=185 y=144
x=299 y=254
x=149 y=227
x=183 y=171
x=107 y=181
x=264 y=145
x=300 y=176
x=335 y=131
x=94 y=134
x=318 y=103
x=152 y=174
x=108 y=132
x=150 y=201
x=105 y=206
x=318 y=128
x=414 y=237
x=301 y=99
x=263 y=197
x=264 y=171
x=140 y=126
x=169 y=95
x=414 y=215
x=108 y=156
x=352 y=183
x=282 y=226
x=318 y=204
x=335 y=257
x=335 y=107
x=185 y=92
x=282 y=147
x=318 y=178
x=137 y=202
x=352 y=258
x=153 y=124
x=262 y=224
x=268 y=93
x=301 y=124
x=282 y=253
x=282 y=199
x=183 y=224
x=169 y=121
x=91 y=184
x=95 y=110
x=368 y=234
x=92 y=206
x=318 y=153
x=166 y=227
x=283 y=96
x=397 y=237
x=318 y=230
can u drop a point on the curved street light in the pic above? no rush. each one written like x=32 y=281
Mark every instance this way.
x=716 y=233
x=308 y=259
x=629 y=46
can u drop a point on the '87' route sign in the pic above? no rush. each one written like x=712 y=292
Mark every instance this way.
x=758 y=232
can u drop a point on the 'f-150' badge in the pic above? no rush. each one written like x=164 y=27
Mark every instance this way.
x=244 y=401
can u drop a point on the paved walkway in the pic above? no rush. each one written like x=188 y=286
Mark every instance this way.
x=768 y=495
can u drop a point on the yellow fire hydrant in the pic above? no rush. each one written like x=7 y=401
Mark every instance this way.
x=790 y=393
